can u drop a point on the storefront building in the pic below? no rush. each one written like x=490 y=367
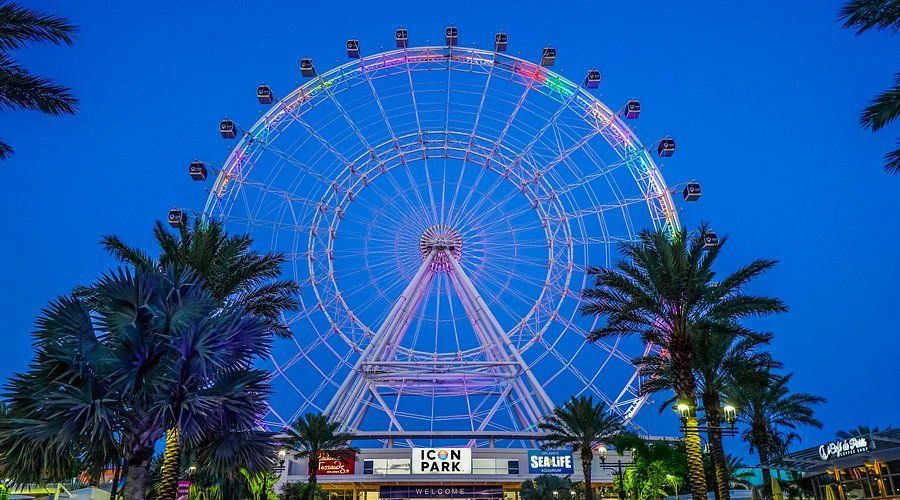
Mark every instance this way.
x=862 y=467
x=449 y=472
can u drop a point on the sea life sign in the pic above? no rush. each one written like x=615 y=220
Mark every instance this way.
x=549 y=462
x=441 y=461
x=843 y=448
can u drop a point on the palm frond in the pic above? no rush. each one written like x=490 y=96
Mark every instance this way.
x=20 y=26
x=883 y=109
x=863 y=15
x=21 y=89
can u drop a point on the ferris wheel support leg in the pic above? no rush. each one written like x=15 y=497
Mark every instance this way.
x=488 y=337
x=336 y=409
x=479 y=301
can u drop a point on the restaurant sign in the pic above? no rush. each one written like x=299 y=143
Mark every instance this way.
x=550 y=462
x=843 y=448
x=441 y=491
x=336 y=462
x=441 y=461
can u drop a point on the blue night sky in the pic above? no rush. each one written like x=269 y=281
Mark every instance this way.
x=763 y=98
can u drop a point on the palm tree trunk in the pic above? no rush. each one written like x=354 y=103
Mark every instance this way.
x=138 y=463
x=313 y=465
x=766 y=473
x=587 y=456
x=117 y=476
x=171 y=465
x=696 y=477
x=680 y=351
x=716 y=449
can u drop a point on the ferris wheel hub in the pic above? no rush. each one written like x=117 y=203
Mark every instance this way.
x=445 y=242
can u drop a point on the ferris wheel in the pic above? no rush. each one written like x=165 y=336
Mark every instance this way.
x=439 y=206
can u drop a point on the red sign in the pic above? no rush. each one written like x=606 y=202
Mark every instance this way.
x=184 y=489
x=333 y=463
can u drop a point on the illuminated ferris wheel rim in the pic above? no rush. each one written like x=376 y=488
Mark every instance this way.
x=465 y=145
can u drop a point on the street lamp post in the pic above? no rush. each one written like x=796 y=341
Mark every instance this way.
x=602 y=451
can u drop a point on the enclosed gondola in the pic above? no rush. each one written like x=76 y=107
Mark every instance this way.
x=177 y=217
x=264 y=94
x=451 y=36
x=691 y=191
x=548 y=56
x=228 y=129
x=666 y=147
x=632 y=109
x=501 y=40
x=353 y=48
x=197 y=170
x=306 y=67
x=592 y=80
x=710 y=239
x=402 y=38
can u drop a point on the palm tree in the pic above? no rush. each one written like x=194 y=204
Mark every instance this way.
x=546 y=487
x=312 y=434
x=580 y=424
x=860 y=431
x=882 y=15
x=666 y=291
x=234 y=274
x=722 y=357
x=19 y=89
x=99 y=385
x=771 y=413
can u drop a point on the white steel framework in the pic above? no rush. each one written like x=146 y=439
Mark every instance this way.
x=439 y=207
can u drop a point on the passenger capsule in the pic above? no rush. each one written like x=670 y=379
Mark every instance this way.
x=177 y=218
x=501 y=40
x=592 y=80
x=632 y=109
x=691 y=191
x=451 y=36
x=228 y=129
x=306 y=68
x=264 y=94
x=402 y=38
x=197 y=170
x=666 y=147
x=353 y=49
x=548 y=56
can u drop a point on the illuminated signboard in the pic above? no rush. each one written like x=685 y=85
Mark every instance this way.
x=549 y=462
x=843 y=448
x=332 y=463
x=441 y=461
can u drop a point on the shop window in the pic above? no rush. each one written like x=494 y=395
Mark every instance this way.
x=386 y=466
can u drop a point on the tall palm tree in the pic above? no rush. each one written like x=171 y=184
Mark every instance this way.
x=860 y=431
x=580 y=424
x=771 y=413
x=234 y=274
x=722 y=357
x=101 y=376
x=19 y=89
x=882 y=15
x=233 y=271
x=666 y=291
x=313 y=434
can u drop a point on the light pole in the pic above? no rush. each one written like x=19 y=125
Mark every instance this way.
x=602 y=451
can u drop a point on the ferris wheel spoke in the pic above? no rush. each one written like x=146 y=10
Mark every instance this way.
x=534 y=176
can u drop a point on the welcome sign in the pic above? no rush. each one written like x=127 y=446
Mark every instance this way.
x=550 y=462
x=441 y=461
